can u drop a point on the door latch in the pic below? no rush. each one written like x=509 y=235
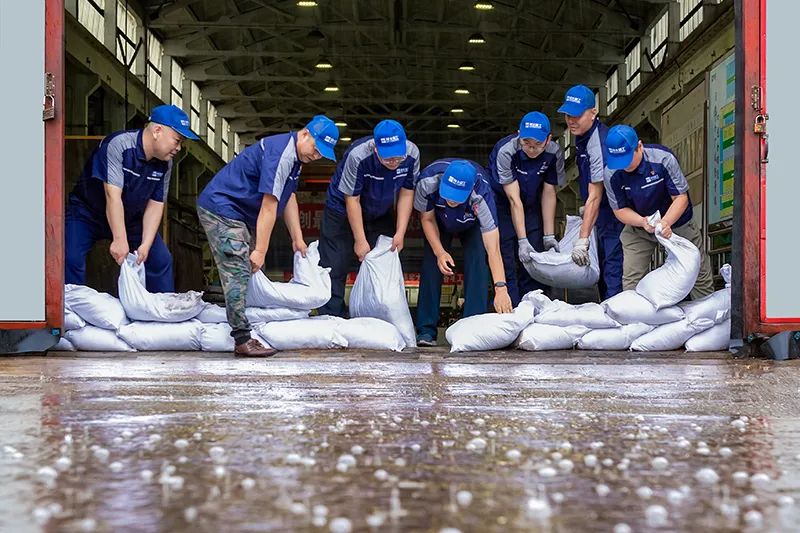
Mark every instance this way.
x=49 y=108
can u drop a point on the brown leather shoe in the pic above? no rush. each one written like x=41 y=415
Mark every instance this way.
x=253 y=348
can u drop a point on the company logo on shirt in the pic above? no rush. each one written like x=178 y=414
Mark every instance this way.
x=652 y=177
x=573 y=99
x=391 y=139
x=620 y=150
x=533 y=125
x=543 y=169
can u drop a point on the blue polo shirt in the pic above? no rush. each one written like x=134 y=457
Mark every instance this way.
x=120 y=160
x=590 y=158
x=478 y=209
x=508 y=163
x=360 y=173
x=651 y=186
x=270 y=166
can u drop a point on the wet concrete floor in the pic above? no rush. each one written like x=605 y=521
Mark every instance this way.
x=341 y=441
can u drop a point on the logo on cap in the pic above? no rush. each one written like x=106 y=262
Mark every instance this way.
x=620 y=150
x=392 y=139
x=184 y=122
x=533 y=125
x=330 y=140
x=457 y=183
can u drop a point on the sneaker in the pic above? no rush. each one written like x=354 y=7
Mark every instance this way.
x=253 y=348
x=426 y=340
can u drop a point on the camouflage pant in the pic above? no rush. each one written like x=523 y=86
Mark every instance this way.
x=230 y=242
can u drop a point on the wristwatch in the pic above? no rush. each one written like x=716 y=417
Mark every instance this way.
x=499 y=284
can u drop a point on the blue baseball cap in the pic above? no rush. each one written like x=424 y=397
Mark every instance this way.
x=621 y=143
x=577 y=100
x=325 y=134
x=173 y=117
x=458 y=181
x=534 y=125
x=390 y=139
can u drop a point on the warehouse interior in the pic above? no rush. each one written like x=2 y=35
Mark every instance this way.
x=457 y=75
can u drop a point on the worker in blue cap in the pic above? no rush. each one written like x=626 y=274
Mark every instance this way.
x=454 y=198
x=120 y=196
x=525 y=170
x=642 y=179
x=580 y=114
x=239 y=207
x=375 y=173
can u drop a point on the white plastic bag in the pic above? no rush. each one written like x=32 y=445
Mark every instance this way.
x=490 y=331
x=309 y=288
x=162 y=336
x=216 y=338
x=673 y=281
x=97 y=308
x=590 y=315
x=539 y=337
x=716 y=306
x=72 y=321
x=96 y=339
x=63 y=346
x=379 y=290
x=212 y=314
x=630 y=307
x=670 y=336
x=142 y=305
x=557 y=269
x=613 y=338
x=321 y=332
x=725 y=272
x=371 y=334
x=711 y=340
x=215 y=314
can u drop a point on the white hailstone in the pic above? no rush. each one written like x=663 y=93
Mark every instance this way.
x=675 y=496
x=659 y=463
x=169 y=469
x=41 y=515
x=424 y=423
x=656 y=516
x=175 y=482
x=479 y=422
x=547 y=471
x=248 y=483
x=341 y=525
x=377 y=433
x=590 y=460
x=556 y=456
x=55 y=508
x=127 y=434
x=116 y=466
x=565 y=465
x=298 y=508
x=300 y=427
x=47 y=473
x=683 y=443
x=706 y=476
x=596 y=445
x=725 y=452
x=117 y=440
x=703 y=451
x=607 y=462
x=189 y=514
x=197 y=436
x=753 y=518
x=750 y=500
x=63 y=463
x=476 y=445
x=644 y=493
x=293 y=459
x=464 y=498
x=513 y=455
x=760 y=480
x=629 y=436
x=397 y=419
x=602 y=490
x=415 y=447
x=101 y=454
x=400 y=462
x=376 y=520
x=449 y=530
x=68 y=439
x=785 y=501
x=381 y=475
x=623 y=465
x=739 y=423
x=566 y=447
x=622 y=528
x=557 y=497
x=539 y=509
x=449 y=443
x=530 y=429
x=217 y=453
x=347 y=459
x=319 y=521
x=319 y=510
x=491 y=433
x=183 y=459
x=154 y=438
x=357 y=450
x=219 y=471
x=146 y=475
x=308 y=461
x=740 y=478
x=88 y=524
x=181 y=444
x=702 y=444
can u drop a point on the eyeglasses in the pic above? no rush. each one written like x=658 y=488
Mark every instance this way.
x=393 y=160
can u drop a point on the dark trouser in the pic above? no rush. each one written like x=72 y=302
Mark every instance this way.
x=230 y=242
x=80 y=234
x=336 y=252
x=476 y=273
x=519 y=281
x=610 y=255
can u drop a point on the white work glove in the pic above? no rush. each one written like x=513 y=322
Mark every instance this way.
x=580 y=254
x=550 y=243
x=525 y=250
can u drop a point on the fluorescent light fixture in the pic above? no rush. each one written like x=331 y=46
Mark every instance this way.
x=341 y=124
x=461 y=91
x=484 y=6
x=476 y=38
x=345 y=139
x=306 y=3
x=453 y=126
x=324 y=64
x=331 y=89
x=456 y=110
x=467 y=66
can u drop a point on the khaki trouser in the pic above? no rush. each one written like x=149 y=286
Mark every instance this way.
x=638 y=246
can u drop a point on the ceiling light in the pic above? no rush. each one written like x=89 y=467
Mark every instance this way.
x=461 y=91
x=331 y=89
x=467 y=66
x=306 y=3
x=476 y=38
x=324 y=64
x=341 y=124
x=454 y=126
x=484 y=6
x=345 y=139
x=456 y=110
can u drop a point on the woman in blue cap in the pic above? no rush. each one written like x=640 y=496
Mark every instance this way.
x=640 y=180
x=239 y=207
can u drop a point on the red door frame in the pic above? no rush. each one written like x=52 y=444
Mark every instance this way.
x=54 y=176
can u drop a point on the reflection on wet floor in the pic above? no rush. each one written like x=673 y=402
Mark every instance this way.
x=410 y=442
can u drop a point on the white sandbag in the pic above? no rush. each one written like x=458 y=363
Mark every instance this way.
x=673 y=281
x=63 y=346
x=319 y=332
x=97 y=308
x=711 y=340
x=379 y=290
x=590 y=315
x=309 y=288
x=217 y=338
x=96 y=339
x=212 y=314
x=371 y=334
x=630 y=307
x=539 y=337
x=142 y=305
x=163 y=336
x=215 y=314
x=716 y=306
x=670 y=336
x=613 y=338
x=72 y=321
x=490 y=331
x=725 y=272
x=557 y=269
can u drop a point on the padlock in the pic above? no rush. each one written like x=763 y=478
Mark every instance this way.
x=760 y=124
